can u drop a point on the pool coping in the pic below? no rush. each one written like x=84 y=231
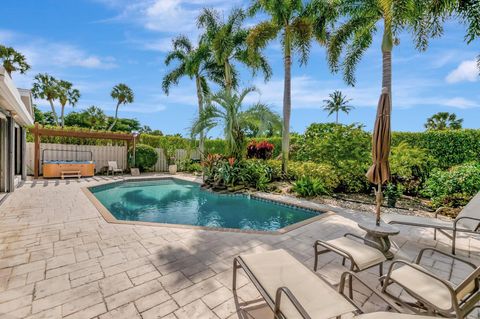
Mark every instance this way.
x=109 y=218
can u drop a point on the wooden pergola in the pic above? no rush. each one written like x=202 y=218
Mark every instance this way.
x=39 y=131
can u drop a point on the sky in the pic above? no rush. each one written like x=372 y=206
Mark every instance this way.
x=96 y=44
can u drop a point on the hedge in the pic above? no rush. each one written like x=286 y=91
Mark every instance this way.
x=449 y=147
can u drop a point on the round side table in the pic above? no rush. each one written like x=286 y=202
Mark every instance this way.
x=380 y=235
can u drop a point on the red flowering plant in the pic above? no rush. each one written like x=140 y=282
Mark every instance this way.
x=260 y=150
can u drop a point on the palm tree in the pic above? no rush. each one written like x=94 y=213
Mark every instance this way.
x=95 y=118
x=195 y=63
x=261 y=121
x=337 y=103
x=225 y=109
x=356 y=35
x=13 y=61
x=227 y=40
x=46 y=87
x=296 y=24
x=66 y=95
x=124 y=95
x=443 y=121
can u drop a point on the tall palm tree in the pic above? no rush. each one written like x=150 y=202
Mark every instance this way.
x=227 y=40
x=13 y=61
x=66 y=95
x=297 y=25
x=46 y=87
x=336 y=103
x=195 y=63
x=443 y=121
x=225 y=109
x=124 y=95
x=364 y=18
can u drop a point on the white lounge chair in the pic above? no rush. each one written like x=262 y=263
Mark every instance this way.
x=433 y=294
x=361 y=256
x=467 y=221
x=278 y=275
x=113 y=167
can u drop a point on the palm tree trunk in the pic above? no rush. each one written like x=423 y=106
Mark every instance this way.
x=116 y=116
x=54 y=113
x=287 y=105
x=62 y=117
x=228 y=78
x=336 y=120
x=387 y=45
x=200 y=110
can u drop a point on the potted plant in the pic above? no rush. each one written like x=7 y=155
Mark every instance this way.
x=172 y=165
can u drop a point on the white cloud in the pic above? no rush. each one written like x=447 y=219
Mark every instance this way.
x=466 y=71
x=461 y=103
x=167 y=16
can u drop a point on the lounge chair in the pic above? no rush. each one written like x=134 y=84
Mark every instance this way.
x=113 y=167
x=433 y=294
x=467 y=221
x=361 y=256
x=278 y=275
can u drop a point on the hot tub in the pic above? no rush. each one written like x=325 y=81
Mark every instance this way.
x=54 y=169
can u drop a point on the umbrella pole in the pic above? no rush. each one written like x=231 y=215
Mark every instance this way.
x=379 y=203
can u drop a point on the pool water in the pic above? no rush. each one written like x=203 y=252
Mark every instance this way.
x=174 y=201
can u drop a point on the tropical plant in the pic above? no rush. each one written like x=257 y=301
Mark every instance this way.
x=296 y=24
x=145 y=157
x=195 y=63
x=66 y=95
x=442 y=121
x=309 y=187
x=225 y=109
x=262 y=122
x=260 y=150
x=124 y=95
x=13 y=61
x=355 y=35
x=227 y=40
x=46 y=87
x=95 y=118
x=336 y=103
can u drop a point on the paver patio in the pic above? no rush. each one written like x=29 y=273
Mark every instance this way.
x=60 y=259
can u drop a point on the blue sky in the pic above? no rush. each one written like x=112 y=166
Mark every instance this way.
x=98 y=43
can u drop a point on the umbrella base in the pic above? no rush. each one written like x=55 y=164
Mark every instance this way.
x=380 y=235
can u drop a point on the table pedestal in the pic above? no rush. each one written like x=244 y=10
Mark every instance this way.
x=380 y=235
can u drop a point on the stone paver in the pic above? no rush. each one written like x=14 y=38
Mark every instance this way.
x=60 y=259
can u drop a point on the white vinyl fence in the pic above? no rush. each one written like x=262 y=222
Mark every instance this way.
x=101 y=155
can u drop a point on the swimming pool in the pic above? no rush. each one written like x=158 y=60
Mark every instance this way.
x=174 y=201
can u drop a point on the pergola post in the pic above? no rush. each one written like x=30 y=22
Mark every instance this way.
x=36 y=160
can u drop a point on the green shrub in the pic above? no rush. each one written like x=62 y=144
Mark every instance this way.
x=145 y=157
x=351 y=175
x=410 y=166
x=276 y=169
x=324 y=172
x=453 y=187
x=334 y=143
x=258 y=174
x=309 y=187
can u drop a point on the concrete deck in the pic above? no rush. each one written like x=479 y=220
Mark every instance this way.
x=60 y=259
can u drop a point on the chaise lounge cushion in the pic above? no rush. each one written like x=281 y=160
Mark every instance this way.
x=390 y=315
x=424 y=286
x=277 y=268
x=363 y=255
x=417 y=221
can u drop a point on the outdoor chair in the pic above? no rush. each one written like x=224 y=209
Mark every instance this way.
x=433 y=295
x=360 y=255
x=113 y=167
x=291 y=290
x=467 y=221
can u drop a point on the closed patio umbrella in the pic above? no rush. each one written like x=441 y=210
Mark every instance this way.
x=379 y=172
